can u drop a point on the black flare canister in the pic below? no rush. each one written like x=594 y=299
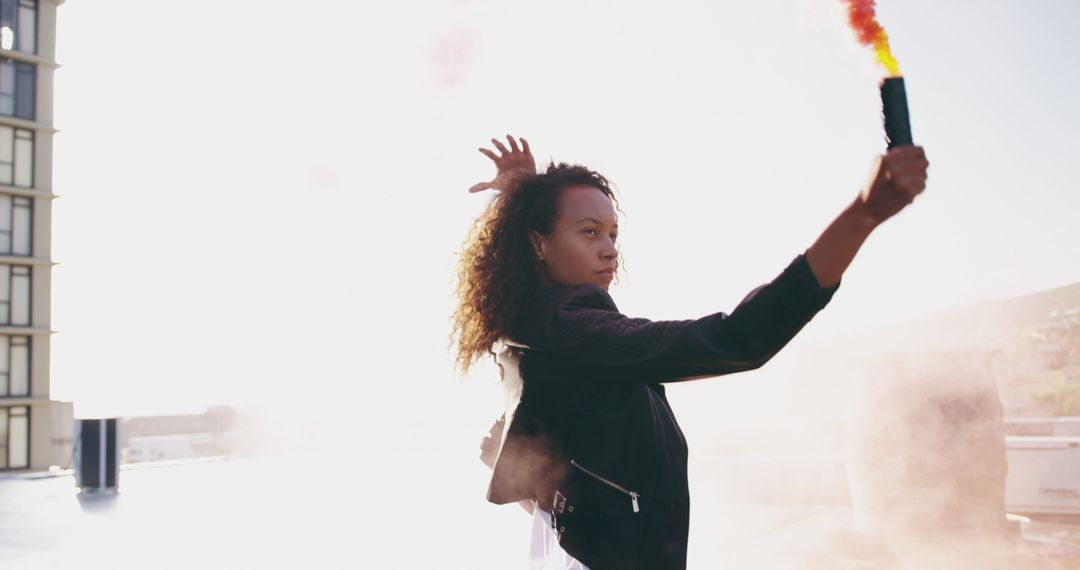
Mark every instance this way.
x=894 y=108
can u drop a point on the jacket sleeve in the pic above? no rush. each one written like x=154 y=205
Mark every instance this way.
x=585 y=326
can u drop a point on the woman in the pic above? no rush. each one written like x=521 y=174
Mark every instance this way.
x=589 y=442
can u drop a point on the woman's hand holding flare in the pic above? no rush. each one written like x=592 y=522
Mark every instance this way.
x=515 y=164
x=895 y=180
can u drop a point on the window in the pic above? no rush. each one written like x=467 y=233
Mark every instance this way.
x=14 y=295
x=14 y=366
x=15 y=437
x=16 y=219
x=18 y=25
x=17 y=88
x=16 y=156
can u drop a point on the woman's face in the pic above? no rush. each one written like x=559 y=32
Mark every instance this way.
x=581 y=246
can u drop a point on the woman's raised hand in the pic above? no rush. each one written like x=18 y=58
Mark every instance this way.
x=515 y=164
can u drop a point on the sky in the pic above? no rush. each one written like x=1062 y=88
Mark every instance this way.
x=261 y=205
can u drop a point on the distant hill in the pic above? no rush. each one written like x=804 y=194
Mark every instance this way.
x=991 y=325
x=1060 y=299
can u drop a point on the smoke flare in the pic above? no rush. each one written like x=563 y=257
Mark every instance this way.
x=861 y=14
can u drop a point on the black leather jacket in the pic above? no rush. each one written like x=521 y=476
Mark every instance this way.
x=592 y=437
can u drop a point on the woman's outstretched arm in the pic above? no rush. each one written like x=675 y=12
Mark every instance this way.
x=895 y=180
x=582 y=323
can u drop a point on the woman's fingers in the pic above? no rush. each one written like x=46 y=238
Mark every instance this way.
x=514 y=148
x=489 y=154
x=907 y=167
x=479 y=187
x=908 y=157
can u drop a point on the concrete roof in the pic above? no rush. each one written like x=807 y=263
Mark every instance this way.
x=404 y=511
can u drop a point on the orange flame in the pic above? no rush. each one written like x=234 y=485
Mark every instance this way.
x=869 y=31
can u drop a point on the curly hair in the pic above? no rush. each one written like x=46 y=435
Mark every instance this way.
x=498 y=270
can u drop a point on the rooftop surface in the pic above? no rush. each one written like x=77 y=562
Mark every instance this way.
x=403 y=511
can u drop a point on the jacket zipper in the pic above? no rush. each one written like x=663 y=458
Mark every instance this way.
x=633 y=496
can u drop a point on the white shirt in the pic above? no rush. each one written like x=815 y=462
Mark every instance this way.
x=545 y=552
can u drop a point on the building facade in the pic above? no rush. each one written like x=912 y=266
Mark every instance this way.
x=35 y=432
